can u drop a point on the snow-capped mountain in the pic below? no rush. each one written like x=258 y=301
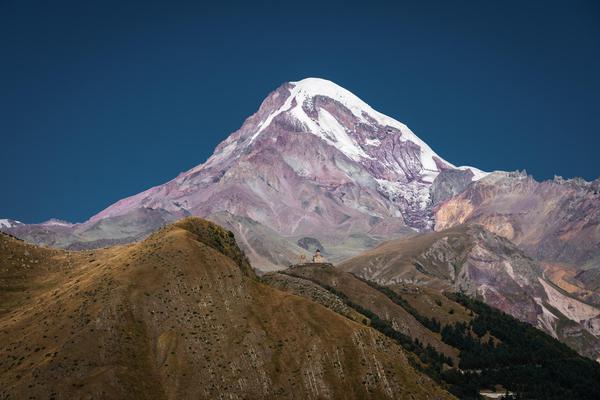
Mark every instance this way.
x=314 y=161
x=316 y=167
x=9 y=223
x=319 y=134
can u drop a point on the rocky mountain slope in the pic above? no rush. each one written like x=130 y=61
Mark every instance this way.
x=556 y=222
x=180 y=315
x=475 y=261
x=313 y=162
x=316 y=166
x=316 y=163
x=467 y=346
x=296 y=279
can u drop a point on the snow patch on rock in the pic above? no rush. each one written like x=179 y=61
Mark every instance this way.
x=56 y=222
x=9 y=223
x=340 y=139
x=477 y=173
x=413 y=191
x=332 y=131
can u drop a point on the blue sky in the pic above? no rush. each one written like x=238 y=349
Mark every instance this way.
x=101 y=101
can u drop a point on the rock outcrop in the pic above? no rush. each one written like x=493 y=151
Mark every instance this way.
x=472 y=260
x=552 y=221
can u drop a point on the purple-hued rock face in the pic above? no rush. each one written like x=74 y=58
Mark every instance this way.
x=314 y=157
x=555 y=221
x=317 y=165
x=313 y=161
x=316 y=161
x=475 y=261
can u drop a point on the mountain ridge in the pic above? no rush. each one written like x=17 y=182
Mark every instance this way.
x=472 y=260
x=314 y=160
x=293 y=103
x=313 y=163
x=180 y=315
x=317 y=165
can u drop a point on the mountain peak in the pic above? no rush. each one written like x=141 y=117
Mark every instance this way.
x=311 y=87
x=311 y=132
x=341 y=124
x=314 y=161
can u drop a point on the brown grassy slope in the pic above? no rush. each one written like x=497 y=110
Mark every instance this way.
x=313 y=291
x=432 y=303
x=179 y=315
x=361 y=293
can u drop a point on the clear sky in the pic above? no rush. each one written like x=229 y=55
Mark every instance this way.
x=101 y=101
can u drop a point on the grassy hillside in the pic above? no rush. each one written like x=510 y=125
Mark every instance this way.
x=465 y=345
x=181 y=315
